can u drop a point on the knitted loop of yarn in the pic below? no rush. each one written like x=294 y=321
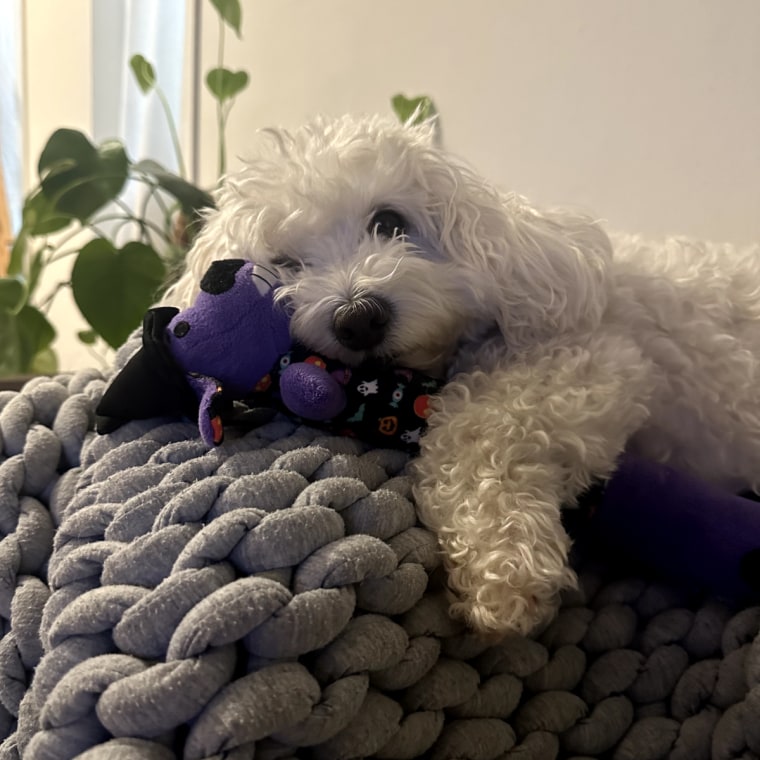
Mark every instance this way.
x=276 y=598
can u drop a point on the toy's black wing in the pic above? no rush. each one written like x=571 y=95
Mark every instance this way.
x=151 y=384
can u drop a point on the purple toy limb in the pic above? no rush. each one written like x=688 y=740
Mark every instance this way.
x=310 y=392
x=681 y=526
x=209 y=395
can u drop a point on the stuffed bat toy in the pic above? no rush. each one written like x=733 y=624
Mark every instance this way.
x=230 y=355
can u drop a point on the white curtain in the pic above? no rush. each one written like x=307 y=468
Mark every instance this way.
x=156 y=30
x=10 y=107
x=120 y=28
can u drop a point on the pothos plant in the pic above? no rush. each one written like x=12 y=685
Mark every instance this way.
x=80 y=210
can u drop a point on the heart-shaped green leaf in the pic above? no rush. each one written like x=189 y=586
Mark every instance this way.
x=88 y=337
x=230 y=12
x=18 y=252
x=191 y=198
x=36 y=335
x=36 y=267
x=225 y=84
x=419 y=108
x=144 y=72
x=10 y=351
x=114 y=287
x=78 y=178
x=12 y=293
x=44 y=362
x=24 y=338
x=40 y=216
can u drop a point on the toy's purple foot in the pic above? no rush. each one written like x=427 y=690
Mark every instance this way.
x=309 y=391
x=209 y=417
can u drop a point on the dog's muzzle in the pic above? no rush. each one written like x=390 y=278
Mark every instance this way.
x=362 y=324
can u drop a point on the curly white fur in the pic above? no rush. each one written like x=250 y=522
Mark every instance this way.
x=563 y=350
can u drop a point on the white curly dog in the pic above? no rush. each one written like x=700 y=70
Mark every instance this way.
x=562 y=348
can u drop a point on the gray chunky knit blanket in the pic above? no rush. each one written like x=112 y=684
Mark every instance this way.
x=275 y=598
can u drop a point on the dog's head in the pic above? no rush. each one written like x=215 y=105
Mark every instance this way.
x=390 y=248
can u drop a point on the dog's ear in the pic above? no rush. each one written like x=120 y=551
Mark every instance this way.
x=535 y=273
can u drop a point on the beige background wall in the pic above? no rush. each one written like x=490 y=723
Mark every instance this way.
x=644 y=112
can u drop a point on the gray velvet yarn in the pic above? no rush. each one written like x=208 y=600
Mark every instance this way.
x=275 y=598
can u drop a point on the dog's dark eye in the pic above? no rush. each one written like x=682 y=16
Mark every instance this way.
x=287 y=264
x=387 y=223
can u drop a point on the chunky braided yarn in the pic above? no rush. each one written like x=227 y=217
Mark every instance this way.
x=275 y=598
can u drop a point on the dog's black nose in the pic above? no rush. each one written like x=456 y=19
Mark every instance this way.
x=362 y=324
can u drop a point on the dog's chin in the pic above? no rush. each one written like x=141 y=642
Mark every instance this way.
x=428 y=359
x=352 y=358
x=433 y=363
x=429 y=351
x=425 y=359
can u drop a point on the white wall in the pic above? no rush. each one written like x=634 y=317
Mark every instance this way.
x=644 y=112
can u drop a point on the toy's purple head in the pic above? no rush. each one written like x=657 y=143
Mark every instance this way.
x=233 y=332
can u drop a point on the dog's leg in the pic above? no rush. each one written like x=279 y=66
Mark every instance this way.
x=505 y=449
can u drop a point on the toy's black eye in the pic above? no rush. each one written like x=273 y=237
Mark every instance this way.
x=181 y=329
x=387 y=223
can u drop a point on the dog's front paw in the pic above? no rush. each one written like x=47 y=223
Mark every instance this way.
x=519 y=603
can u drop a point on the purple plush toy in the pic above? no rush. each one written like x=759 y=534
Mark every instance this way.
x=231 y=352
x=677 y=524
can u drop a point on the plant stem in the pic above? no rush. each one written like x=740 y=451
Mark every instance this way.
x=128 y=213
x=221 y=120
x=144 y=224
x=63 y=241
x=47 y=302
x=159 y=201
x=172 y=132
x=96 y=355
x=57 y=254
x=155 y=194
